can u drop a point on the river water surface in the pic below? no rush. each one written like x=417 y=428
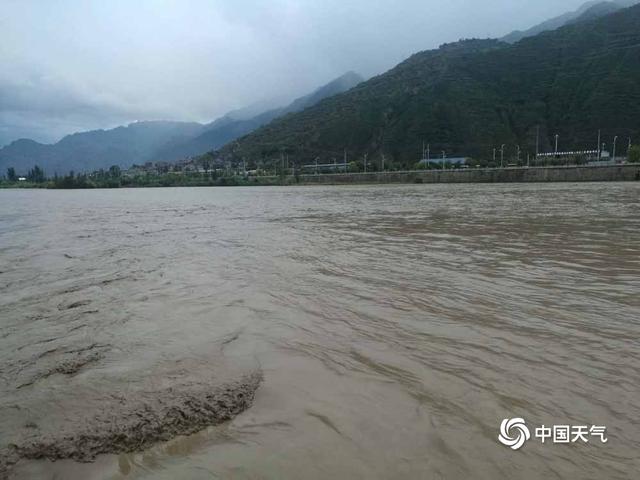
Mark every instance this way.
x=395 y=327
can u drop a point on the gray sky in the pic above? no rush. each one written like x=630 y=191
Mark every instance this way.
x=70 y=65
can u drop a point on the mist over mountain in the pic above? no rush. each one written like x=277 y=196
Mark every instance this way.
x=232 y=126
x=141 y=142
x=588 y=11
x=472 y=96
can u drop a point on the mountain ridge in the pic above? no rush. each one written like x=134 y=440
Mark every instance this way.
x=228 y=129
x=145 y=141
x=472 y=96
x=589 y=10
x=95 y=149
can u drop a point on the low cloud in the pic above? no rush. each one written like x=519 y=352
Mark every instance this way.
x=70 y=66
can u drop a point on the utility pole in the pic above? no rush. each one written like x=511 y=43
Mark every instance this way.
x=494 y=156
x=518 y=154
x=599 y=144
x=537 y=141
x=428 y=152
x=365 y=162
x=345 y=160
x=629 y=149
x=502 y=156
x=444 y=156
x=382 y=162
x=557 y=137
x=615 y=139
x=424 y=151
x=528 y=155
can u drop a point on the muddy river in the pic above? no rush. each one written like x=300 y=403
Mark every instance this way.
x=320 y=332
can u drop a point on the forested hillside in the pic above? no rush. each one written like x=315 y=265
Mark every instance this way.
x=470 y=97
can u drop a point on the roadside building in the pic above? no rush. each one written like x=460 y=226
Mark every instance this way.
x=452 y=160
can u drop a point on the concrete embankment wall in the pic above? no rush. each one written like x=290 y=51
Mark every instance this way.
x=608 y=173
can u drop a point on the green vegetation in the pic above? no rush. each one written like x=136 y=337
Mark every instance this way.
x=471 y=97
x=11 y=174
x=115 y=178
x=634 y=154
x=36 y=175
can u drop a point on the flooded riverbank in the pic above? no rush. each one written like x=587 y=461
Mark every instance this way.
x=393 y=328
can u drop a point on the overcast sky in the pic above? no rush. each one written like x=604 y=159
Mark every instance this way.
x=72 y=65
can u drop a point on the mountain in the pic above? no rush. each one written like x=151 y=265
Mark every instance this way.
x=233 y=125
x=588 y=11
x=339 y=85
x=470 y=97
x=596 y=11
x=256 y=109
x=141 y=142
x=88 y=151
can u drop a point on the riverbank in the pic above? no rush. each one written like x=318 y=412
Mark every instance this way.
x=572 y=174
x=568 y=174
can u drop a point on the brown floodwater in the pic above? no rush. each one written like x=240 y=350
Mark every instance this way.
x=394 y=327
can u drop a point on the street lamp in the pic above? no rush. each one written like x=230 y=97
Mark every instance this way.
x=502 y=156
x=615 y=139
x=557 y=137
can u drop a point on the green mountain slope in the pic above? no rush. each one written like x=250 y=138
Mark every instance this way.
x=470 y=97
